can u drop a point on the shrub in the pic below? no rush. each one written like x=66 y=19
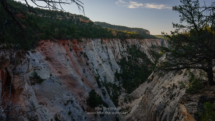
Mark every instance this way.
x=115 y=91
x=37 y=78
x=194 y=86
x=209 y=114
x=103 y=92
x=95 y=99
x=69 y=113
x=97 y=77
x=180 y=72
x=117 y=119
x=161 y=74
x=174 y=86
x=85 y=55
x=48 y=58
x=56 y=118
x=182 y=85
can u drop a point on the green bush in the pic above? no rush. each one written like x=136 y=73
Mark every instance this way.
x=194 y=85
x=103 y=92
x=56 y=118
x=117 y=119
x=209 y=113
x=97 y=77
x=85 y=55
x=95 y=99
x=37 y=78
x=115 y=91
x=182 y=85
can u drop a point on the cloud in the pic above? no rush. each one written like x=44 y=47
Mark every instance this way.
x=156 y=6
x=133 y=4
x=120 y=2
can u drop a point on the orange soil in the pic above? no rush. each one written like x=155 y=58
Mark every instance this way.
x=61 y=71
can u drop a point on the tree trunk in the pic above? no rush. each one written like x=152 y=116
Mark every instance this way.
x=210 y=74
x=210 y=78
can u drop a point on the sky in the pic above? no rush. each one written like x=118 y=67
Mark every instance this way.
x=154 y=15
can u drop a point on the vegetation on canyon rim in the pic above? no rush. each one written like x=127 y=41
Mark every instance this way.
x=140 y=31
x=23 y=26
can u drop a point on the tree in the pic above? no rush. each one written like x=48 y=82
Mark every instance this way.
x=94 y=99
x=191 y=46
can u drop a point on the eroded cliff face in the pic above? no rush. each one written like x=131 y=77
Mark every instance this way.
x=53 y=81
x=164 y=98
x=158 y=98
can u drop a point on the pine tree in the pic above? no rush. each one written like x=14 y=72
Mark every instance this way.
x=195 y=47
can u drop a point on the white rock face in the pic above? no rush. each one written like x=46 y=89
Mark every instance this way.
x=158 y=99
x=68 y=69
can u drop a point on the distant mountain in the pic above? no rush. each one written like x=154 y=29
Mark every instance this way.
x=145 y=33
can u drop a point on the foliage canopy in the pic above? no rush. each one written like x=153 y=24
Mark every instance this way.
x=191 y=45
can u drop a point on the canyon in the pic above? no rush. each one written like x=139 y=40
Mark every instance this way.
x=69 y=69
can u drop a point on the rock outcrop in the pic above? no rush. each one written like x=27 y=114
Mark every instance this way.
x=53 y=80
x=164 y=98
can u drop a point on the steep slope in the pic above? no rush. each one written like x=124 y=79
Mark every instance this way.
x=53 y=81
x=167 y=97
